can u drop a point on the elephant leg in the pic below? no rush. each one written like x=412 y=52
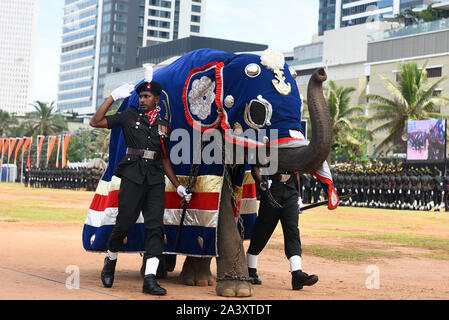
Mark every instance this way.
x=232 y=268
x=196 y=272
x=170 y=262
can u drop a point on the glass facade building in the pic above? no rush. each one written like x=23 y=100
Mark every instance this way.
x=103 y=36
x=335 y=14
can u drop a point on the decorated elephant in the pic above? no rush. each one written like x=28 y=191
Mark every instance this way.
x=249 y=102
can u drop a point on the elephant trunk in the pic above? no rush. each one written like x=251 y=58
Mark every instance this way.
x=311 y=157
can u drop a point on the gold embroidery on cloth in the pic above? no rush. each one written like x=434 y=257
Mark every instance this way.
x=207 y=183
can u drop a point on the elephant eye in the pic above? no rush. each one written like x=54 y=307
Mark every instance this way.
x=252 y=70
x=258 y=113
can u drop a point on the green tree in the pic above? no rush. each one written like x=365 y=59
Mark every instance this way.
x=408 y=17
x=429 y=14
x=411 y=98
x=347 y=122
x=6 y=123
x=45 y=121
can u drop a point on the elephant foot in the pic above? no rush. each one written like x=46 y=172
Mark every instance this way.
x=234 y=288
x=196 y=272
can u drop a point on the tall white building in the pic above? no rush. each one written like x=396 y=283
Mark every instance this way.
x=18 y=25
x=103 y=36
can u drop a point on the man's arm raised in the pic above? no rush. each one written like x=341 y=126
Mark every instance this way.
x=99 y=120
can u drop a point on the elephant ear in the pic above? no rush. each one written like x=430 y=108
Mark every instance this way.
x=202 y=96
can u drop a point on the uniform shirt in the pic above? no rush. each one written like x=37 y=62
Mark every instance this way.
x=438 y=181
x=138 y=133
x=425 y=180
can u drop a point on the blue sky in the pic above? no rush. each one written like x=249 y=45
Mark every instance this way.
x=281 y=24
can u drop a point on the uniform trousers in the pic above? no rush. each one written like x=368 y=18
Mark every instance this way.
x=269 y=216
x=134 y=198
x=446 y=199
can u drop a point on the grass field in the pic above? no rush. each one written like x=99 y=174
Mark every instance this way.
x=18 y=203
x=349 y=234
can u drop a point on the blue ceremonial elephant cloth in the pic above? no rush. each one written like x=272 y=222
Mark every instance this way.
x=192 y=100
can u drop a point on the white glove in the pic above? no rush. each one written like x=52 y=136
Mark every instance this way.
x=300 y=205
x=183 y=193
x=122 y=92
x=265 y=185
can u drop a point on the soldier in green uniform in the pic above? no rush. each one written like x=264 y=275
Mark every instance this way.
x=305 y=187
x=413 y=189
x=365 y=187
x=438 y=183
x=399 y=196
x=426 y=180
x=356 y=198
x=383 y=187
x=339 y=182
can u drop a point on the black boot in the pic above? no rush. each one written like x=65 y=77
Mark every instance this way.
x=254 y=276
x=300 y=279
x=151 y=286
x=107 y=274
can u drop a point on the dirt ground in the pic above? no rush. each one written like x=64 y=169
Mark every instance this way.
x=42 y=260
x=38 y=259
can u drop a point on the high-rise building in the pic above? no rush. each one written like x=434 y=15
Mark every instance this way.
x=335 y=14
x=103 y=36
x=18 y=25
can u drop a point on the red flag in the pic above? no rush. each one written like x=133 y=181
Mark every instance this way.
x=1 y=151
x=40 y=141
x=29 y=153
x=5 y=146
x=12 y=144
x=26 y=143
x=64 y=150
x=19 y=144
x=51 y=144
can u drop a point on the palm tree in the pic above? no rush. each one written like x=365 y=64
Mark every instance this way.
x=347 y=120
x=6 y=122
x=45 y=121
x=412 y=98
x=408 y=17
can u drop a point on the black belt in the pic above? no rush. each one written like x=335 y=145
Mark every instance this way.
x=146 y=154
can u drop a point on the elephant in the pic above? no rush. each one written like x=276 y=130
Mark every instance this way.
x=253 y=103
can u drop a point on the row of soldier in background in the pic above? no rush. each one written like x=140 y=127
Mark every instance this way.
x=376 y=186
x=393 y=187
x=65 y=178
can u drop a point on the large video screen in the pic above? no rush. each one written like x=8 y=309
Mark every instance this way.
x=426 y=140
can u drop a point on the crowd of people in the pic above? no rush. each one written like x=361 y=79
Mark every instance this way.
x=63 y=178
